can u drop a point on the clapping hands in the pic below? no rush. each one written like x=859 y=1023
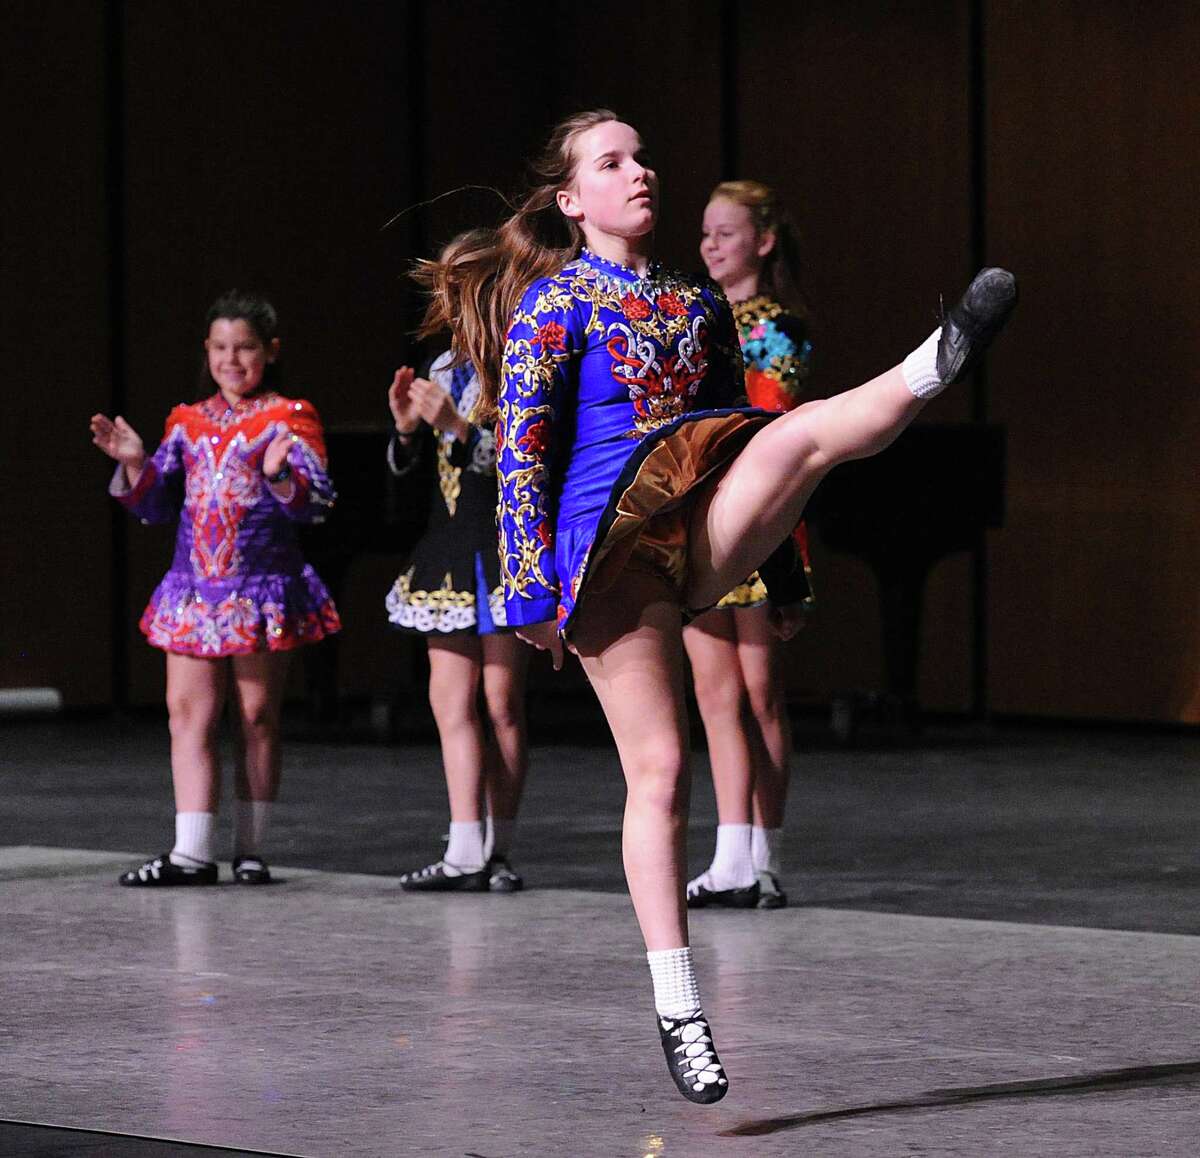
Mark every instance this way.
x=414 y=400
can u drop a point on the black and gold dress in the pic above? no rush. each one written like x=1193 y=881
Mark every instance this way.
x=453 y=583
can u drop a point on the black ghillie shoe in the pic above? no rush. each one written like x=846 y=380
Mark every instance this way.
x=434 y=878
x=692 y=1058
x=700 y=896
x=770 y=895
x=501 y=877
x=970 y=326
x=159 y=872
x=251 y=870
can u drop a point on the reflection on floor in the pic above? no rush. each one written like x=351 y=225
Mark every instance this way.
x=332 y=1014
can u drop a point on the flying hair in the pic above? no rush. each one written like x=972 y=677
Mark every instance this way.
x=476 y=282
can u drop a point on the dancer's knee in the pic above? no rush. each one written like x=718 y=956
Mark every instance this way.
x=658 y=780
x=720 y=696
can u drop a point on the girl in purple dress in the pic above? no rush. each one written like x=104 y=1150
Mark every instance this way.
x=635 y=491
x=240 y=470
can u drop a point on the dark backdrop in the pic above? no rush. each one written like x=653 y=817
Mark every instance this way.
x=159 y=153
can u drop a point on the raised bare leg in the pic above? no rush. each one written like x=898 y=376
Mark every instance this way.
x=741 y=517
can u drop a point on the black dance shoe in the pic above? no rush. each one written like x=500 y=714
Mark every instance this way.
x=501 y=877
x=159 y=872
x=770 y=895
x=700 y=896
x=970 y=326
x=692 y=1058
x=434 y=878
x=250 y=870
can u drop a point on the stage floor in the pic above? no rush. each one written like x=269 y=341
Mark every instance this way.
x=332 y=1014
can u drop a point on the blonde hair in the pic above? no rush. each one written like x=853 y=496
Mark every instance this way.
x=781 y=268
x=477 y=281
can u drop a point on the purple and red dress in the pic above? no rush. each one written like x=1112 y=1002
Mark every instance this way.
x=237 y=582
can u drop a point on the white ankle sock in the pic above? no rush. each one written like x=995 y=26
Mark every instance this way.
x=193 y=838
x=497 y=837
x=764 y=849
x=251 y=819
x=464 y=851
x=732 y=865
x=920 y=368
x=675 y=991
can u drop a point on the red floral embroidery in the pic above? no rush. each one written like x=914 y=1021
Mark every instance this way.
x=544 y=534
x=536 y=439
x=499 y=436
x=670 y=304
x=552 y=336
x=635 y=308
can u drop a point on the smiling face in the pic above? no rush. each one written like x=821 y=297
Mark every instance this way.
x=614 y=191
x=237 y=357
x=731 y=246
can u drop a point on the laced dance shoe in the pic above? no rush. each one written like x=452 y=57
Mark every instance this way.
x=972 y=323
x=159 y=872
x=701 y=894
x=434 y=878
x=770 y=895
x=692 y=1058
x=251 y=870
x=501 y=877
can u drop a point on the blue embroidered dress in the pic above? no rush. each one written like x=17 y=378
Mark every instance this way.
x=604 y=371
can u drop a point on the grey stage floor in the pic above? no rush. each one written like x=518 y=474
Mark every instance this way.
x=990 y=953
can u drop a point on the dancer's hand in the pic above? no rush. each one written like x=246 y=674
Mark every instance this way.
x=118 y=440
x=545 y=637
x=786 y=621
x=401 y=402
x=277 y=452
x=437 y=408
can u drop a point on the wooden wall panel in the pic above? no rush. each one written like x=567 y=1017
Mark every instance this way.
x=55 y=553
x=267 y=159
x=858 y=115
x=1092 y=180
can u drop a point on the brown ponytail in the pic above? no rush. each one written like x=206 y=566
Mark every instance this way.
x=477 y=281
x=780 y=273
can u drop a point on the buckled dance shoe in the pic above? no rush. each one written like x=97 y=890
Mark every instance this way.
x=692 y=1058
x=250 y=870
x=434 y=878
x=501 y=877
x=160 y=872
x=701 y=894
x=971 y=324
x=770 y=895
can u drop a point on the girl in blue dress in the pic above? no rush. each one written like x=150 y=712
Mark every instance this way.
x=635 y=491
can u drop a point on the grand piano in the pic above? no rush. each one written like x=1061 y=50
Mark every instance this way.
x=932 y=493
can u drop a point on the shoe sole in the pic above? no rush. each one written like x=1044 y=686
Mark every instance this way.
x=1002 y=285
x=718 y=901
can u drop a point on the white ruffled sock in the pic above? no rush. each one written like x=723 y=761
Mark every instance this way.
x=674 y=975
x=920 y=368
